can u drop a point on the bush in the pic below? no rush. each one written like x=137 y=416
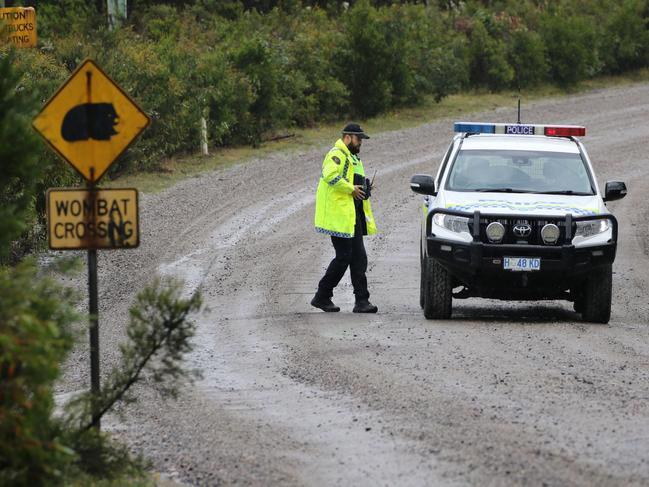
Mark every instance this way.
x=35 y=318
x=153 y=74
x=434 y=54
x=18 y=169
x=527 y=55
x=625 y=37
x=34 y=338
x=571 y=44
x=489 y=65
x=364 y=60
x=312 y=66
x=262 y=73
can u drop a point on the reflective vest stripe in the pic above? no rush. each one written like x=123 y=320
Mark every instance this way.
x=334 y=234
x=345 y=170
x=334 y=180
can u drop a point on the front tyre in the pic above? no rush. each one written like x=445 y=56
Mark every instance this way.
x=422 y=284
x=596 y=304
x=437 y=290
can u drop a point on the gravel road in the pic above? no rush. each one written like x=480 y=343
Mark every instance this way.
x=501 y=394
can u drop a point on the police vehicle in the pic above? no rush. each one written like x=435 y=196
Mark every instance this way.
x=515 y=213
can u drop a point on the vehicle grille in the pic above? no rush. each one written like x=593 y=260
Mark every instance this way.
x=534 y=237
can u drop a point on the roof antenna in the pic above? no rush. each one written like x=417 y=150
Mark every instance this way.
x=519 y=110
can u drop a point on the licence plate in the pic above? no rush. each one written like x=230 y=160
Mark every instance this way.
x=521 y=263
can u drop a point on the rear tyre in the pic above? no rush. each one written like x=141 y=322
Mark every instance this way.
x=437 y=289
x=596 y=305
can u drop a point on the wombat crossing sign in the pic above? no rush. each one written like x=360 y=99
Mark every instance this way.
x=98 y=219
x=90 y=121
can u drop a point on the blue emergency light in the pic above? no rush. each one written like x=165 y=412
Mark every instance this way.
x=519 y=129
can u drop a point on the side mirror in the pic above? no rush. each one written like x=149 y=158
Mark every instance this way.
x=423 y=184
x=614 y=190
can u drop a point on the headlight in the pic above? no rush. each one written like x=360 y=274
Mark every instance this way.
x=457 y=224
x=550 y=234
x=589 y=228
x=495 y=232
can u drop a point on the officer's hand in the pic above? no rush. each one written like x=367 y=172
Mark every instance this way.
x=358 y=193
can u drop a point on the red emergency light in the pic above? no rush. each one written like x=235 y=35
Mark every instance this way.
x=565 y=131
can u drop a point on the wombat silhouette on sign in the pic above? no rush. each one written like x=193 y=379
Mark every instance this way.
x=89 y=121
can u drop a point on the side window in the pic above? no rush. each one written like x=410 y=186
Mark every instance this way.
x=442 y=166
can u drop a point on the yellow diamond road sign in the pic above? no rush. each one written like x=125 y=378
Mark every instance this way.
x=90 y=121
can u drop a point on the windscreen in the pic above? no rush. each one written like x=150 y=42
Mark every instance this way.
x=519 y=172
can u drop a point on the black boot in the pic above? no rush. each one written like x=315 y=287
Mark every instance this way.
x=364 y=306
x=324 y=304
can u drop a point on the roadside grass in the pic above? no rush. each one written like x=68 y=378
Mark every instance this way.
x=454 y=106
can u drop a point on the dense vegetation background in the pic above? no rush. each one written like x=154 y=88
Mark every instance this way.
x=252 y=67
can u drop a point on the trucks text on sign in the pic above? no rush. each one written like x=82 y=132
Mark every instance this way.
x=18 y=26
x=92 y=219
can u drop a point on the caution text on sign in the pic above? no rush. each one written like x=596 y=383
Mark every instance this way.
x=92 y=219
x=18 y=26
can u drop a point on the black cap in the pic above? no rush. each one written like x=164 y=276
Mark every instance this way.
x=355 y=129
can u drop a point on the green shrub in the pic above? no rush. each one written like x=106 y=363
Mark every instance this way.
x=489 y=65
x=312 y=67
x=435 y=55
x=364 y=60
x=625 y=37
x=262 y=75
x=571 y=44
x=153 y=73
x=35 y=316
x=527 y=55
x=67 y=18
x=19 y=167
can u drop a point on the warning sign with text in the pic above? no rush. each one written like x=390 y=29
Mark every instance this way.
x=92 y=219
x=18 y=26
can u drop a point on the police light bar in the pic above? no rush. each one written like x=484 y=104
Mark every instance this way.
x=520 y=129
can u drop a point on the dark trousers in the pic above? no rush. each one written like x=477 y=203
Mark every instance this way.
x=350 y=252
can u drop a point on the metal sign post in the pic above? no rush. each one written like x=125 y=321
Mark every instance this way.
x=90 y=121
x=93 y=308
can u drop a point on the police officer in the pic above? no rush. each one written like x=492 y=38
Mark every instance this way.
x=344 y=213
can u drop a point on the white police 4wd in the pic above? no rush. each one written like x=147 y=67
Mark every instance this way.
x=515 y=213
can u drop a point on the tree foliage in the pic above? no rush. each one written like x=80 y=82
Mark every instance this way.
x=19 y=168
x=253 y=68
x=35 y=318
x=159 y=336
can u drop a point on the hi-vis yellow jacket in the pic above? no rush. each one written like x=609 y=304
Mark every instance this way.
x=334 y=207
